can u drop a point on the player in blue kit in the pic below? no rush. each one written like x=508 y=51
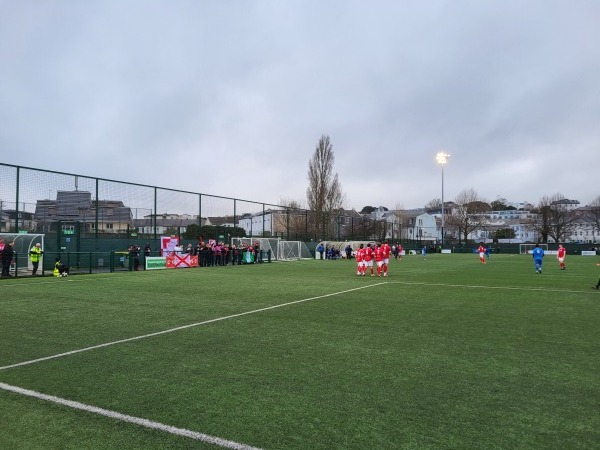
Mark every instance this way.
x=538 y=255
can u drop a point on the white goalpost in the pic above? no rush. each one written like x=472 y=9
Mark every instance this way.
x=290 y=250
x=280 y=250
x=526 y=249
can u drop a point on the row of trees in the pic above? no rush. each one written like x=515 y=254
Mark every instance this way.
x=554 y=219
x=551 y=218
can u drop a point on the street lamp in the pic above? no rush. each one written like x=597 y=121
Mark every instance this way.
x=442 y=158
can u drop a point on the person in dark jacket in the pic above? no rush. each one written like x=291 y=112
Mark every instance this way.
x=7 y=256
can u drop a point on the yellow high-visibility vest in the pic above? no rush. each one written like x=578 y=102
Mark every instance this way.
x=35 y=253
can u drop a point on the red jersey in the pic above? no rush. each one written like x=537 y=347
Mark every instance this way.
x=359 y=254
x=379 y=252
x=481 y=249
x=562 y=252
x=368 y=254
x=386 y=251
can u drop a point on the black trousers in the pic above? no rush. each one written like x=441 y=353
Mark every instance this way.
x=6 y=268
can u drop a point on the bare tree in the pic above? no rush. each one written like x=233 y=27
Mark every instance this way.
x=553 y=218
x=540 y=223
x=433 y=205
x=468 y=213
x=594 y=213
x=324 y=192
x=292 y=219
x=399 y=223
x=562 y=218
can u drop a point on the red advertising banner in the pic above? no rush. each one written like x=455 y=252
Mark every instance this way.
x=179 y=261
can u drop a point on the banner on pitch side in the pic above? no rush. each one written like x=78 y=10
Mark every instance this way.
x=180 y=261
x=248 y=257
x=156 y=262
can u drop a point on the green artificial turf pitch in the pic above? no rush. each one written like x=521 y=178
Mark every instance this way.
x=444 y=353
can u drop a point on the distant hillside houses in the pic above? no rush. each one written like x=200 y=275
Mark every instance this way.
x=73 y=207
x=79 y=208
x=167 y=222
x=426 y=226
x=419 y=225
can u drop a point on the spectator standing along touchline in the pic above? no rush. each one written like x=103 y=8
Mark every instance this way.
x=321 y=249
x=7 y=257
x=35 y=254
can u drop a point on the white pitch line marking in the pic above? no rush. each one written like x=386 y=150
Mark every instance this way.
x=183 y=327
x=474 y=286
x=130 y=419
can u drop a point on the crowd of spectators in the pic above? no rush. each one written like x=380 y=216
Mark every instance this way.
x=222 y=254
x=214 y=253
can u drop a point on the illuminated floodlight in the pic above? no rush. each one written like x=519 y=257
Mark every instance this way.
x=442 y=158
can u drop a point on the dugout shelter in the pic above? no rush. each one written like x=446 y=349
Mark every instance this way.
x=23 y=242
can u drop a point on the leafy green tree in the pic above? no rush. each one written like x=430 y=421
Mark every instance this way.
x=499 y=204
x=172 y=231
x=192 y=231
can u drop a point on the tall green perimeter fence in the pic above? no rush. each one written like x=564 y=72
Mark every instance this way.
x=79 y=213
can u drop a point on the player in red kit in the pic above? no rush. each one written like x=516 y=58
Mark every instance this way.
x=481 y=251
x=368 y=259
x=379 y=259
x=560 y=256
x=387 y=250
x=360 y=263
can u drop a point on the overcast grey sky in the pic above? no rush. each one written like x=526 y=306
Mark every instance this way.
x=218 y=96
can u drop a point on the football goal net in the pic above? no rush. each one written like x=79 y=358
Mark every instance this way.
x=526 y=249
x=280 y=250
x=290 y=250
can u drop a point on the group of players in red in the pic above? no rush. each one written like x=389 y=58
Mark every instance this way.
x=365 y=255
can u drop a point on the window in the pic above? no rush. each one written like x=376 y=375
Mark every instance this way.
x=108 y=226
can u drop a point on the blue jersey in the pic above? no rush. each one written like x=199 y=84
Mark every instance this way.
x=537 y=253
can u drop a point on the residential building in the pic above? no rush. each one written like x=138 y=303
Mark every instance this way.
x=71 y=207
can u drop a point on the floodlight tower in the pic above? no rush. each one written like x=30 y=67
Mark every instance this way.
x=442 y=158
